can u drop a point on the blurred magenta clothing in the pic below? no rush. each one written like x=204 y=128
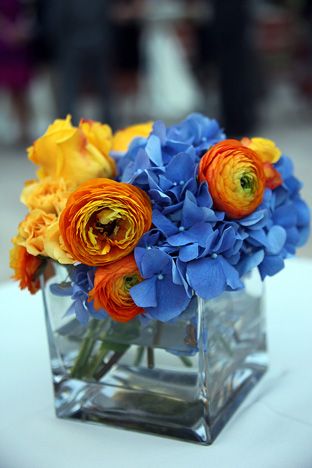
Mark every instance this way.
x=15 y=56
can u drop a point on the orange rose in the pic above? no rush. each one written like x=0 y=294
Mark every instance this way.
x=123 y=138
x=104 y=220
x=73 y=153
x=25 y=267
x=112 y=284
x=235 y=177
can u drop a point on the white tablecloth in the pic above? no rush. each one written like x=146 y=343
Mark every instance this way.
x=272 y=429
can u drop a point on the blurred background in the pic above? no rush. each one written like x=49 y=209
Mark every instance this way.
x=247 y=63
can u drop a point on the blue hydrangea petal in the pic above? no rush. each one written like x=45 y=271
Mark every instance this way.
x=144 y=293
x=285 y=167
x=303 y=212
x=271 y=265
x=225 y=241
x=154 y=262
x=276 y=239
x=304 y=234
x=159 y=129
x=163 y=223
x=172 y=300
x=180 y=168
x=203 y=196
x=285 y=215
x=231 y=275
x=249 y=262
x=181 y=268
x=81 y=312
x=61 y=290
x=153 y=150
x=191 y=213
x=259 y=236
x=206 y=276
x=188 y=252
x=159 y=197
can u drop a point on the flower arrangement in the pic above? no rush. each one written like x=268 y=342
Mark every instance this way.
x=152 y=209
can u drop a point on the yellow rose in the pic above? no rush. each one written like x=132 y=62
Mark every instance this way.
x=97 y=134
x=48 y=194
x=54 y=245
x=32 y=231
x=40 y=235
x=264 y=148
x=123 y=138
x=69 y=152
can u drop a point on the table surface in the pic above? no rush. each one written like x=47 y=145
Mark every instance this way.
x=271 y=429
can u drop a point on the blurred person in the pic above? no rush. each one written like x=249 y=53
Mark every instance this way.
x=235 y=62
x=81 y=37
x=15 y=59
x=127 y=32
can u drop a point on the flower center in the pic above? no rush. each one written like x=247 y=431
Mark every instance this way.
x=107 y=223
x=130 y=281
x=247 y=183
x=107 y=229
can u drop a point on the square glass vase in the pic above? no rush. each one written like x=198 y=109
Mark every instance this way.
x=183 y=378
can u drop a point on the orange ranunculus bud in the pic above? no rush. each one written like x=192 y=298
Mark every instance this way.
x=103 y=221
x=25 y=268
x=123 y=138
x=75 y=154
x=235 y=177
x=112 y=284
x=272 y=177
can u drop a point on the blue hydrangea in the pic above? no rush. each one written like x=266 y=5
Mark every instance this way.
x=192 y=248
x=205 y=252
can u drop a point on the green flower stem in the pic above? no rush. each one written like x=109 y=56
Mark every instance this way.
x=112 y=361
x=139 y=356
x=81 y=363
x=186 y=361
x=150 y=358
x=97 y=360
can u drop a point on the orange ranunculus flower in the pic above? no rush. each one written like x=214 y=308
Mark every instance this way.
x=112 y=284
x=50 y=195
x=123 y=138
x=235 y=177
x=26 y=267
x=104 y=220
x=265 y=149
x=72 y=153
x=269 y=154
